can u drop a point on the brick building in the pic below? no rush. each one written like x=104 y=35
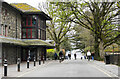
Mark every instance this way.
x=22 y=32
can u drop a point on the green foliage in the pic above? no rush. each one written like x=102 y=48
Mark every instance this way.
x=97 y=19
x=50 y=50
x=58 y=28
x=113 y=47
x=82 y=38
x=50 y=53
x=66 y=45
x=99 y=59
x=91 y=48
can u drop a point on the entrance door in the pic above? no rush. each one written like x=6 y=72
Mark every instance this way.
x=25 y=53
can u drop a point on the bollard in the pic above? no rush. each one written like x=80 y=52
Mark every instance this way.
x=60 y=59
x=43 y=60
x=18 y=63
x=28 y=63
x=39 y=61
x=34 y=61
x=5 y=67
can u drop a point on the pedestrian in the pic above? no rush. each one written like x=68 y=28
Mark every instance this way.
x=69 y=55
x=92 y=54
x=55 y=56
x=61 y=56
x=84 y=57
x=88 y=55
x=75 y=55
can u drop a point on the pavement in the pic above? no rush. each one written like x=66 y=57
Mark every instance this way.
x=68 y=68
x=12 y=69
x=108 y=67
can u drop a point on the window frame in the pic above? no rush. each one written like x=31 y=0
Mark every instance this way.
x=27 y=21
x=1 y=29
x=31 y=37
x=6 y=30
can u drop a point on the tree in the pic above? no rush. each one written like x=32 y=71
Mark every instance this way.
x=57 y=27
x=66 y=45
x=97 y=17
x=83 y=38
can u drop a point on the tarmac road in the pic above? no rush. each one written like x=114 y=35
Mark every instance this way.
x=68 y=68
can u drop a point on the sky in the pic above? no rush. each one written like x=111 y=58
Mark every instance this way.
x=33 y=3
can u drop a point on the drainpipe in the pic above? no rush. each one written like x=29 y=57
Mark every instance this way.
x=16 y=39
x=16 y=26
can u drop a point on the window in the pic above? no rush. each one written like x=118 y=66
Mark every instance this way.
x=5 y=11
x=39 y=23
x=34 y=18
x=5 y=30
x=43 y=34
x=24 y=33
x=42 y=22
x=24 y=21
x=33 y=33
x=29 y=33
x=29 y=21
x=39 y=33
x=1 y=30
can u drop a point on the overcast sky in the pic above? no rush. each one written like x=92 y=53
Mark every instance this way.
x=33 y=3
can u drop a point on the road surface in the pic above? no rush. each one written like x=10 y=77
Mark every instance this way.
x=68 y=68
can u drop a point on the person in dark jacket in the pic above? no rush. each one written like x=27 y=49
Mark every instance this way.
x=75 y=55
x=69 y=55
x=61 y=56
x=92 y=54
x=55 y=56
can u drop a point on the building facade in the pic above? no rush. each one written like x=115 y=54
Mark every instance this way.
x=22 y=32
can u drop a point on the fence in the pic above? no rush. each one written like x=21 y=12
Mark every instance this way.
x=115 y=58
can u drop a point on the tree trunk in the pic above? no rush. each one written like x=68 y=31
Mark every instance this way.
x=102 y=53
x=57 y=47
x=96 y=47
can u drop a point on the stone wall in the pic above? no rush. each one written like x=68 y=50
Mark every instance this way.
x=11 y=53
x=12 y=20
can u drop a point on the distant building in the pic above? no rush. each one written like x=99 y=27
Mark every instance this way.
x=22 y=32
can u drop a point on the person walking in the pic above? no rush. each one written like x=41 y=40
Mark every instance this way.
x=88 y=55
x=69 y=55
x=60 y=56
x=55 y=56
x=92 y=54
x=75 y=55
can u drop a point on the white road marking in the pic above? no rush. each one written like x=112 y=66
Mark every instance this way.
x=98 y=68
x=29 y=71
x=104 y=71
